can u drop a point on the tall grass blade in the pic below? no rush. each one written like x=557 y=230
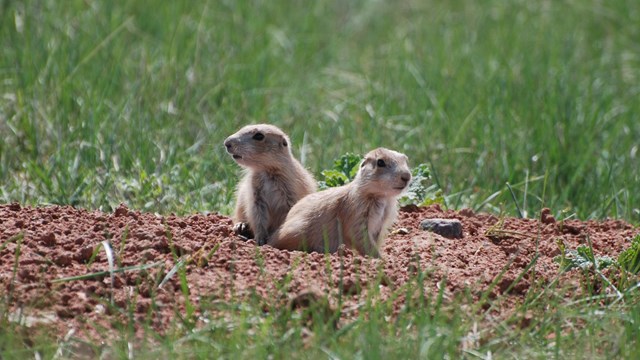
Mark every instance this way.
x=515 y=201
x=109 y=252
x=173 y=270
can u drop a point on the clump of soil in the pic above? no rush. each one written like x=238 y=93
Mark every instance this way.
x=41 y=246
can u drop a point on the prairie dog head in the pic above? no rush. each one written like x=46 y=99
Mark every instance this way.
x=384 y=172
x=259 y=146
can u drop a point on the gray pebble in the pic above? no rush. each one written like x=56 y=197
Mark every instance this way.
x=449 y=228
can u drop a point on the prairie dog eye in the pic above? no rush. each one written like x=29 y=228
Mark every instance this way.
x=284 y=142
x=258 y=136
x=381 y=163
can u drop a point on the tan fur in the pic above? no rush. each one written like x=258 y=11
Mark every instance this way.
x=357 y=214
x=273 y=180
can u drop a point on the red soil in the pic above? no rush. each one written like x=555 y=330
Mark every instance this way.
x=58 y=242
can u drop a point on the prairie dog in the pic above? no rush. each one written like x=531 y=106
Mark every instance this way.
x=273 y=181
x=357 y=214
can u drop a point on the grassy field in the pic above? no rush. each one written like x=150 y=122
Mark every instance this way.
x=106 y=102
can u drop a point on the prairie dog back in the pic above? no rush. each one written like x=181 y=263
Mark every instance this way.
x=357 y=214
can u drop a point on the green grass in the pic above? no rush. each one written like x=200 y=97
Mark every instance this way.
x=106 y=102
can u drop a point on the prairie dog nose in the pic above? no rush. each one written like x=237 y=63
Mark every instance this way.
x=227 y=143
x=405 y=176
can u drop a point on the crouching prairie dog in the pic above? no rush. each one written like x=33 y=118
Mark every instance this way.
x=357 y=214
x=273 y=181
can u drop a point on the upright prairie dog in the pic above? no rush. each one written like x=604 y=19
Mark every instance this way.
x=273 y=181
x=357 y=214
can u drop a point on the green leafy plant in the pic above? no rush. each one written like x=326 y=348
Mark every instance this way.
x=420 y=191
x=630 y=258
x=343 y=171
x=582 y=257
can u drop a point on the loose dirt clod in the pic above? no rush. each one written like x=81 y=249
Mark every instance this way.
x=59 y=243
x=546 y=217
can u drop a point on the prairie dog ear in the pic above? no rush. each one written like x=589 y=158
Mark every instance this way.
x=283 y=141
x=365 y=161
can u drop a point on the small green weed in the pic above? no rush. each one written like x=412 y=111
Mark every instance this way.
x=630 y=258
x=420 y=191
x=343 y=171
x=582 y=257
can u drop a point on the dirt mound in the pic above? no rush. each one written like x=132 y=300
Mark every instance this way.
x=41 y=246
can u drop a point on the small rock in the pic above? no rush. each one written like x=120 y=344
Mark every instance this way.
x=449 y=228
